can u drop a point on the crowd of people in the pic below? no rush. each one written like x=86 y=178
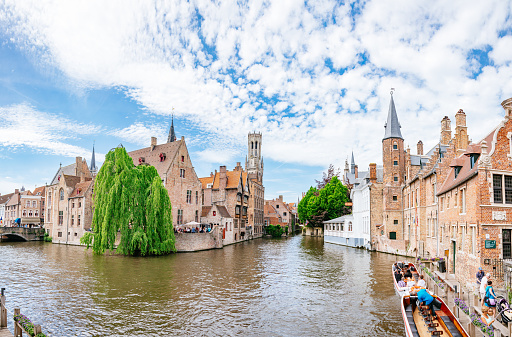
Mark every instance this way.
x=405 y=278
x=202 y=229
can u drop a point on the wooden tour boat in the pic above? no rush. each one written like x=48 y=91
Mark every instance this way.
x=419 y=323
x=401 y=291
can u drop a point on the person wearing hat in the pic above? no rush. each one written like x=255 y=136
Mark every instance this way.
x=479 y=276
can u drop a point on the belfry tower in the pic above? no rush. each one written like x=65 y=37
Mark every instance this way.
x=393 y=159
x=254 y=161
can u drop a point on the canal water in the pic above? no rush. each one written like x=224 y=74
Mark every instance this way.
x=286 y=287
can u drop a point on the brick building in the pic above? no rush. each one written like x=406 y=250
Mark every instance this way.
x=173 y=164
x=230 y=189
x=24 y=208
x=69 y=204
x=254 y=169
x=278 y=212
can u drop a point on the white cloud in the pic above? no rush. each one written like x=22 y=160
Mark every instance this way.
x=140 y=134
x=22 y=126
x=242 y=66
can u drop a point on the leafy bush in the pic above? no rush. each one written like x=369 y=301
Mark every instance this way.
x=47 y=238
x=27 y=325
x=275 y=231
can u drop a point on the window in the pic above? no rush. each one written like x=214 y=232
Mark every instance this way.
x=395 y=198
x=180 y=216
x=182 y=159
x=395 y=178
x=76 y=234
x=284 y=213
x=28 y=204
x=350 y=226
x=277 y=206
x=197 y=215
x=214 y=213
x=182 y=173
x=473 y=240
x=61 y=217
x=79 y=204
x=189 y=197
x=78 y=220
x=455 y=200
x=72 y=220
x=24 y=212
x=237 y=210
x=395 y=222
x=395 y=146
x=61 y=194
x=463 y=237
x=34 y=203
x=197 y=197
x=392 y=235
x=506 y=239
x=472 y=159
x=59 y=234
x=457 y=170
x=498 y=193
x=36 y=213
x=463 y=200
x=395 y=162
x=30 y=214
x=508 y=189
x=73 y=204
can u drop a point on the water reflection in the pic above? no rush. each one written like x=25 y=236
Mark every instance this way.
x=289 y=287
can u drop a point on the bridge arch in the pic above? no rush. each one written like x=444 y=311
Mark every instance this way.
x=12 y=237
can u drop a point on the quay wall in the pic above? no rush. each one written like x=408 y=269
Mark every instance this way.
x=193 y=242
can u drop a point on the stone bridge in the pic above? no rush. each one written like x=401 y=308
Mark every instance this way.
x=21 y=234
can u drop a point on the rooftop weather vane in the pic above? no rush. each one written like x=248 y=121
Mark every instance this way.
x=392 y=90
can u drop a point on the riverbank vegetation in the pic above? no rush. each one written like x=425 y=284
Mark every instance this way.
x=325 y=202
x=276 y=231
x=132 y=201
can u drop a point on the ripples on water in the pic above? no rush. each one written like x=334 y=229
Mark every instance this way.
x=288 y=287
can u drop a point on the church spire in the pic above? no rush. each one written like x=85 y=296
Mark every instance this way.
x=172 y=136
x=392 y=126
x=93 y=167
x=353 y=164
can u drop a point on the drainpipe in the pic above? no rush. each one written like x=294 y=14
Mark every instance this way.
x=67 y=224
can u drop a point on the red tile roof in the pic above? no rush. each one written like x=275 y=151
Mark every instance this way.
x=152 y=157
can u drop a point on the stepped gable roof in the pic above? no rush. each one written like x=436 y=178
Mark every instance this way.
x=233 y=178
x=39 y=191
x=473 y=149
x=223 y=212
x=392 y=126
x=205 y=210
x=71 y=181
x=205 y=181
x=80 y=189
x=4 y=198
x=244 y=179
x=151 y=156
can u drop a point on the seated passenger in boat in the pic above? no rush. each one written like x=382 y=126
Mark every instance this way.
x=426 y=299
x=487 y=317
x=407 y=273
x=398 y=275
x=411 y=283
x=421 y=282
x=401 y=283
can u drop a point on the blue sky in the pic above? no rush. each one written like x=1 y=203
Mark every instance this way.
x=313 y=77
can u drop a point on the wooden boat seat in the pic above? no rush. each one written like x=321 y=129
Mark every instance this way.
x=450 y=326
x=410 y=320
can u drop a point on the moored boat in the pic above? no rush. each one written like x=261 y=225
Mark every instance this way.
x=419 y=323
x=401 y=291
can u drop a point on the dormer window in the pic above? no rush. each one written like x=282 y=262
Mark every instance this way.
x=395 y=146
x=473 y=158
x=162 y=156
x=142 y=160
x=457 y=170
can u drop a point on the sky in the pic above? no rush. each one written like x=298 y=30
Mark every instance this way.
x=313 y=77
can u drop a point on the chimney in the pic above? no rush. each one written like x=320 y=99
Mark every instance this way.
x=355 y=171
x=461 y=132
x=281 y=198
x=78 y=166
x=223 y=179
x=419 y=148
x=16 y=191
x=153 y=141
x=446 y=131
x=373 y=172
x=507 y=105
x=238 y=166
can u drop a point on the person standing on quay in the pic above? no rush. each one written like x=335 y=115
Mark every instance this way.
x=483 y=284
x=479 y=275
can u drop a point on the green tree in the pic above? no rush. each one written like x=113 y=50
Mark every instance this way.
x=276 y=231
x=324 y=204
x=133 y=201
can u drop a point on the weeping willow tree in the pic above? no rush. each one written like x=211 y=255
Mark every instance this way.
x=133 y=201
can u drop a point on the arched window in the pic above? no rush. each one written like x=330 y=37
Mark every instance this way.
x=30 y=213
x=24 y=212
x=36 y=213
x=252 y=145
x=350 y=226
x=34 y=203
x=256 y=146
x=61 y=194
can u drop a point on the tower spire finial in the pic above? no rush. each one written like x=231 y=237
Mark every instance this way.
x=172 y=136
x=93 y=167
x=392 y=126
